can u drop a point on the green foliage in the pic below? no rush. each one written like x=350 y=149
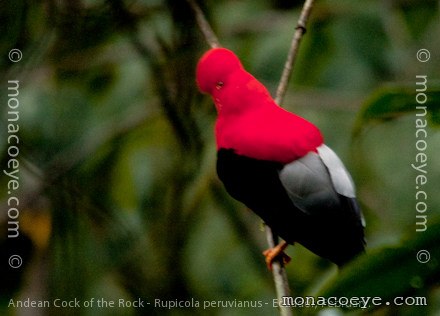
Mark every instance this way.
x=389 y=272
x=393 y=102
x=118 y=191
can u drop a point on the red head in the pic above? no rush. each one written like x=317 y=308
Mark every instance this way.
x=249 y=121
x=214 y=68
x=234 y=90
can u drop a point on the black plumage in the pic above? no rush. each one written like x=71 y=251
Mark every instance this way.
x=335 y=231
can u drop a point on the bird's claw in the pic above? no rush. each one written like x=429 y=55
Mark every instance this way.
x=275 y=253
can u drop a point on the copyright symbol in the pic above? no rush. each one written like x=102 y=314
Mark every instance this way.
x=15 y=55
x=15 y=261
x=423 y=256
x=423 y=55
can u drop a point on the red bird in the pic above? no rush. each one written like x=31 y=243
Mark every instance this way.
x=276 y=163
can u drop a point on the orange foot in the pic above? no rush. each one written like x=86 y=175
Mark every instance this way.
x=275 y=253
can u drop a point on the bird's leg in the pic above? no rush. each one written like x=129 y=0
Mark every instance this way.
x=276 y=252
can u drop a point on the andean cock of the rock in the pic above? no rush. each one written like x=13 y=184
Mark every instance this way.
x=276 y=163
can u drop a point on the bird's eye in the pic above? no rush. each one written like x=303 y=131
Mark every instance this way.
x=219 y=85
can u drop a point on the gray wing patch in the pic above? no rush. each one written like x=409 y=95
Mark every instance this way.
x=308 y=184
x=315 y=181
x=340 y=177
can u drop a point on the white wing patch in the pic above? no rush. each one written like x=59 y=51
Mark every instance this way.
x=341 y=179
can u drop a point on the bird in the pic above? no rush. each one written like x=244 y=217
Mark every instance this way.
x=277 y=164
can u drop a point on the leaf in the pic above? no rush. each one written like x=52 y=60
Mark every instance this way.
x=389 y=272
x=392 y=102
x=418 y=15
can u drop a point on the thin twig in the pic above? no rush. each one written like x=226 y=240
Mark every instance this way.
x=278 y=270
x=297 y=36
x=204 y=26
x=279 y=275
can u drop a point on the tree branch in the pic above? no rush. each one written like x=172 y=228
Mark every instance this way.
x=300 y=30
x=204 y=26
x=279 y=274
x=278 y=270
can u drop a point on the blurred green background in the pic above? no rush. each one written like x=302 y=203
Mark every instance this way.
x=117 y=187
